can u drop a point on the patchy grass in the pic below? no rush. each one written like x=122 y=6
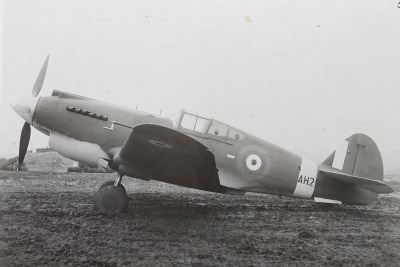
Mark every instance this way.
x=48 y=219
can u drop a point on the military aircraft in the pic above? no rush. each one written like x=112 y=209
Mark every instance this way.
x=194 y=151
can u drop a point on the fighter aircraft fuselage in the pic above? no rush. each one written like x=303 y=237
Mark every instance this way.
x=77 y=129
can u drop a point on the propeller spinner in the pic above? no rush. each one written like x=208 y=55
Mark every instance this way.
x=25 y=108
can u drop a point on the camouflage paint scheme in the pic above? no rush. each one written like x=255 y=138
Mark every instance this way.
x=81 y=128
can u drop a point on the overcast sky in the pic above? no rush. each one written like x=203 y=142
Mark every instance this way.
x=302 y=74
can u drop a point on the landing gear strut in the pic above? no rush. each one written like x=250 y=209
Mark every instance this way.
x=111 y=197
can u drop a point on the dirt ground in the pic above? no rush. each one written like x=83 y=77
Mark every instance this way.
x=48 y=219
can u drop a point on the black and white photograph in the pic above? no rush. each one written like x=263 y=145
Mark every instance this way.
x=199 y=133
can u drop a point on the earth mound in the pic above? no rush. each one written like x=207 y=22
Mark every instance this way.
x=47 y=162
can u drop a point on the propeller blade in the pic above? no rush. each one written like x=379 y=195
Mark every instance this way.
x=40 y=79
x=24 y=142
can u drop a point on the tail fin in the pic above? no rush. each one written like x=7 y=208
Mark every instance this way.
x=358 y=156
x=353 y=173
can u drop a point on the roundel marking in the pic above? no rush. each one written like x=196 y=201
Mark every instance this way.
x=253 y=162
x=159 y=143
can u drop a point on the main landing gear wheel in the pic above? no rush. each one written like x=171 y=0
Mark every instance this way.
x=111 y=183
x=111 y=199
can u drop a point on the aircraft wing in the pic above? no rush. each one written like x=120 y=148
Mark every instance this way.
x=163 y=154
x=375 y=186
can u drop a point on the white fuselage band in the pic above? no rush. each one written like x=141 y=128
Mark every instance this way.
x=307 y=179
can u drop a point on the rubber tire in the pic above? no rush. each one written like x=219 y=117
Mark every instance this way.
x=111 y=183
x=111 y=200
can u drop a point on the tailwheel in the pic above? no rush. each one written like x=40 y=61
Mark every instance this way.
x=111 y=198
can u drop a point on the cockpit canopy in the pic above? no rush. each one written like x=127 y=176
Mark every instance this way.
x=207 y=126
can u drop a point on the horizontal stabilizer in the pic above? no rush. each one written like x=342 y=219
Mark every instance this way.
x=375 y=186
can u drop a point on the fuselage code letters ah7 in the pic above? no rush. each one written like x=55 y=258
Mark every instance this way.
x=306 y=180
